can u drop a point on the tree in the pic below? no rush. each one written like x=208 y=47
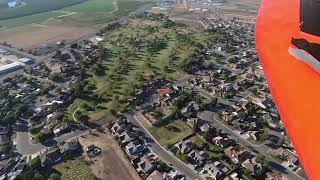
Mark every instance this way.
x=6 y=148
x=261 y=159
x=42 y=137
x=35 y=163
x=34 y=130
x=214 y=101
x=38 y=176
x=56 y=76
x=158 y=113
x=19 y=110
x=55 y=176
x=84 y=118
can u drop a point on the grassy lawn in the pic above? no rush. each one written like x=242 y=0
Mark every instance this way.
x=116 y=86
x=170 y=133
x=76 y=169
x=197 y=140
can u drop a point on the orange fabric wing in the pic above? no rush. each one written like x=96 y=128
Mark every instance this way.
x=294 y=84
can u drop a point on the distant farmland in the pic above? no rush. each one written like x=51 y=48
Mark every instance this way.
x=35 y=7
x=57 y=24
x=84 y=13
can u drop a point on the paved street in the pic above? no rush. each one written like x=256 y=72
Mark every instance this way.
x=26 y=147
x=257 y=149
x=24 y=144
x=163 y=154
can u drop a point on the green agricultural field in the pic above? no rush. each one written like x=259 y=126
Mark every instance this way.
x=126 y=67
x=92 y=6
x=35 y=7
x=85 y=13
x=35 y=18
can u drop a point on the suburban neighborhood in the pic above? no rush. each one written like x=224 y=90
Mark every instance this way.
x=145 y=97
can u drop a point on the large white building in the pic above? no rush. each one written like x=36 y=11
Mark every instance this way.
x=10 y=62
x=10 y=67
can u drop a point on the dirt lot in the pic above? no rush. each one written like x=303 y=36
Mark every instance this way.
x=33 y=35
x=246 y=9
x=112 y=163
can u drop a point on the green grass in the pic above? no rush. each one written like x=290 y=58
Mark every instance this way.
x=197 y=140
x=171 y=133
x=88 y=13
x=35 y=7
x=92 y=6
x=76 y=169
x=109 y=87
x=36 y=18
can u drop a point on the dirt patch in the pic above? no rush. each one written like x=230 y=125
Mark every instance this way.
x=246 y=9
x=34 y=35
x=112 y=163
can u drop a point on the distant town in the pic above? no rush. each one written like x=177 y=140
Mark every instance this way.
x=144 y=97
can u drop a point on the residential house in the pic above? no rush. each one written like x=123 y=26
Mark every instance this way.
x=118 y=127
x=144 y=164
x=223 y=142
x=204 y=127
x=255 y=135
x=236 y=155
x=156 y=175
x=61 y=128
x=216 y=169
x=239 y=124
x=126 y=137
x=190 y=108
x=251 y=165
x=197 y=158
x=233 y=176
x=184 y=146
x=50 y=158
x=51 y=123
x=46 y=132
x=271 y=176
x=70 y=146
x=134 y=147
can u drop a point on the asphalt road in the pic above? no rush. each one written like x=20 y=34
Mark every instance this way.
x=26 y=147
x=24 y=144
x=256 y=149
x=163 y=154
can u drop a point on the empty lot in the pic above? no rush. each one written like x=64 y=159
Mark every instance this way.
x=31 y=36
x=112 y=163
